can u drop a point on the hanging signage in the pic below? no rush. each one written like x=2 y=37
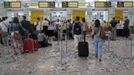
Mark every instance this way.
x=102 y=4
x=65 y=4
x=70 y=4
x=128 y=4
x=15 y=4
x=12 y=4
x=7 y=5
x=73 y=4
x=45 y=4
x=125 y=4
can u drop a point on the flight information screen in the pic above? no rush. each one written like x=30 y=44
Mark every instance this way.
x=16 y=4
x=125 y=4
x=45 y=4
x=102 y=4
x=70 y=4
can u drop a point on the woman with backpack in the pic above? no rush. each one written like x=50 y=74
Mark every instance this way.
x=98 y=38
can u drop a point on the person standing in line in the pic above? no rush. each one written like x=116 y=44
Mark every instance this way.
x=1 y=32
x=4 y=26
x=98 y=40
x=45 y=25
x=37 y=25
x=57 y=26
x=126 y=30
x=77 y=30
x=14 y=29
x=84 y=28
x=113 y=23
x=25 y=27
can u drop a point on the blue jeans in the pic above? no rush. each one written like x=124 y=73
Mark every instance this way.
x=98 y=42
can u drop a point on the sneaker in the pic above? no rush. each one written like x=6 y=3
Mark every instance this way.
x=100 y=60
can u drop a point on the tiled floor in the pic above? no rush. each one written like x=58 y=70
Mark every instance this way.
x=47 y=61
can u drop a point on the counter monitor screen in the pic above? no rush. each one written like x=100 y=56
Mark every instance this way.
x=16 y=4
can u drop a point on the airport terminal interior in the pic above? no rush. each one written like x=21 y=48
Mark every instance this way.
x=66 y=37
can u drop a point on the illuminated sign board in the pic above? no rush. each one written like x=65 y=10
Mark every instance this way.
x=70 y=4
x=125 y=4
x=16 y=4
x=45 y=4
x=7 y=5
x=12 y=4
x=102 y=4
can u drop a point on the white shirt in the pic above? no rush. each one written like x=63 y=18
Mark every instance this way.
x=45 y=23
x=4 y=26
x=38 y=26
x=58 y=23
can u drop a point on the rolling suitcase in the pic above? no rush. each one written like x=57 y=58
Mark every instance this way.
x=83 y=49
x=36 y=45
x=28 y=45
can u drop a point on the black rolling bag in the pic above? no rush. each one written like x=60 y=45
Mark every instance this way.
x=83 y=49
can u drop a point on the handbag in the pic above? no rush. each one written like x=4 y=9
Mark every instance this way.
x=17 y=36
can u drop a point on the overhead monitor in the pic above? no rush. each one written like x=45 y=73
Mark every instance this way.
x=46 y=4
x=7 y=5
x=15 y=4
x=73 y=4
x=65 y=4
x=43 y=4
x=127 y=4
x=102 y=4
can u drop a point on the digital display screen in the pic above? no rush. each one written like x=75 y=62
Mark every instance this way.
x=65 y=4
x=99 y=4
x=7 y=5
x=73 y=4
x=125 y=4
x=120 y=4
x=128 y=4
x=102 y=4
x=16 y=4
x=45 y=4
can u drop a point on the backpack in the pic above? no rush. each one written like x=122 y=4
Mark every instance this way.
x=77 y=28
x=40 y=37
x=102 y=33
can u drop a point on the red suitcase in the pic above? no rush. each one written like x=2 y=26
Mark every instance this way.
x=28 y=45
x=36 y=44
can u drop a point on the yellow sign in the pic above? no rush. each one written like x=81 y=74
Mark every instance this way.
x=43 y=4
x=80 y=13
x=35 y=14
x=73 y=4
x=16 y=4
x=119 y=14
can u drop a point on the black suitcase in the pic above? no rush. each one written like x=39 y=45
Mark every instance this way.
x=83 y=49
